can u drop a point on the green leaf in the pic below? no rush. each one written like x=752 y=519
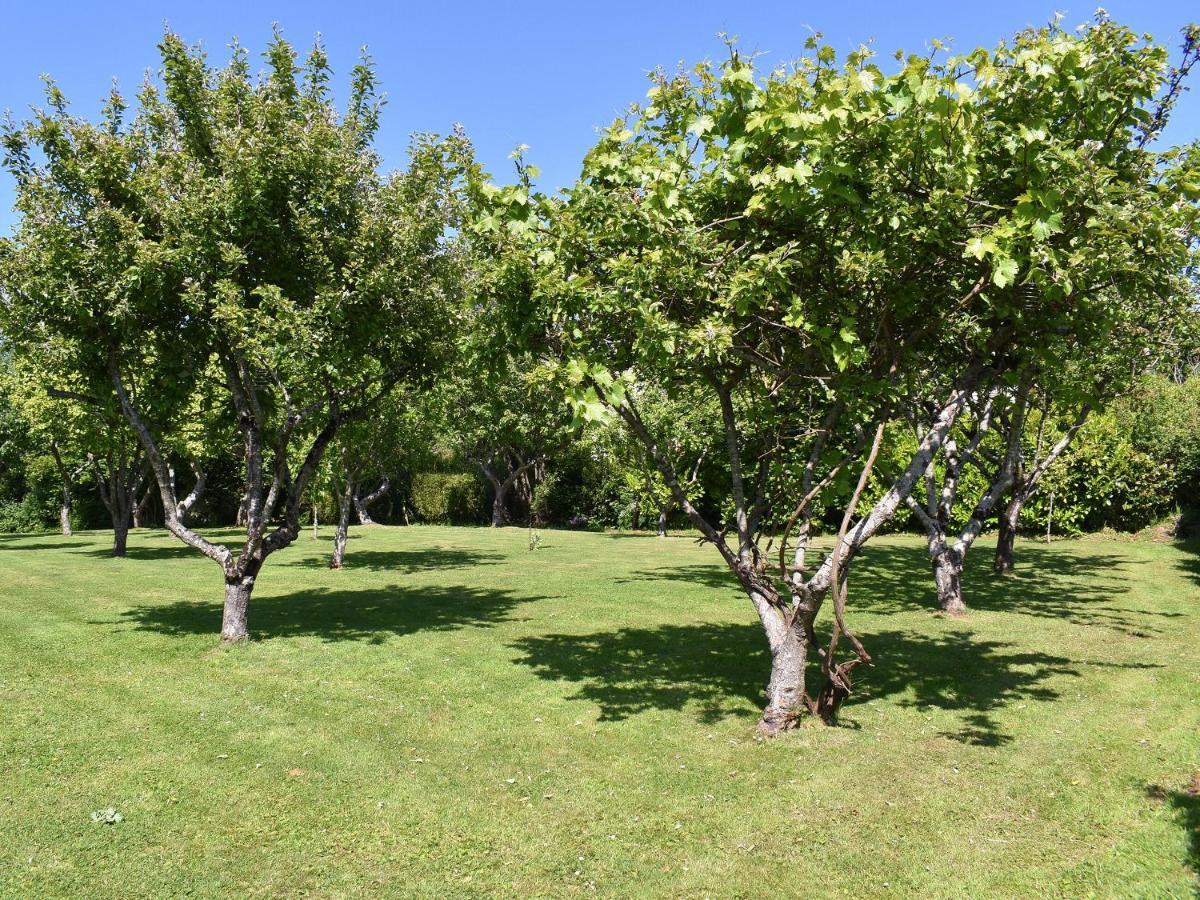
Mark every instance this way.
x=1004 y=271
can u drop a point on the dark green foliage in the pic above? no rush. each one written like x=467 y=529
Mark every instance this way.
x=1131 y=465
x=447 y=498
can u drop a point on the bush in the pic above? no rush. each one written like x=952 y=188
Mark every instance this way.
x=447 y=498
x=25 y=515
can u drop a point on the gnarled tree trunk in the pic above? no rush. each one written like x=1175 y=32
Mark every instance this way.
x=785 y=688
x=234 y=616
x=947 y=575
x=120 y=536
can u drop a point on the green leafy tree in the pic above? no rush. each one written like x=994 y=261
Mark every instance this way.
x=821 y=245
x=370 y=452
x=238 y=224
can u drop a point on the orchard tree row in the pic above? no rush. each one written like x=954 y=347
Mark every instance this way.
x=826 y=295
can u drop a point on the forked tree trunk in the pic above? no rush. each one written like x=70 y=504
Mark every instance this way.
x=1006 y=539
x=343 y=527
x=947 y=575
x=238 y=589
x=362 y=504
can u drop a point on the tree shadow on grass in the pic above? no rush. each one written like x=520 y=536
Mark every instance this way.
x=339 y=615
x=722 y=669
x=1051 y=582
x=1186 y=805
x=405 y=562
x=957 y=672
x=1190 y=561
x=145 y=553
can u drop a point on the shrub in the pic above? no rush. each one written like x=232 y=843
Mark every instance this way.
x=25 y=515
x=447 y=498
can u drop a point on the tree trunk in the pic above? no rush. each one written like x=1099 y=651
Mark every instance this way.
x=362 y=504
x=120 y=534
x=364 y=516
x=237 y=604
x=64 y=511
x=240 y=520
x=499 y=515
x=139 y=510
x=1007 y=538
x=947 y=574
x=785 y=689
x=662 y=522
x=343 y=528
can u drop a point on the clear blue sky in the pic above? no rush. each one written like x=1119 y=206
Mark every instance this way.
x=546 y=74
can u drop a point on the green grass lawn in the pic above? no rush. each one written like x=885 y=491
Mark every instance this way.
x=454 y=715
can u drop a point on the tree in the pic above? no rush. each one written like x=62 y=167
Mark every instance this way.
x=505 y=415
x=372 y=450
x=236 y=223
x=820 y=246
x=938 y=515
x=683 y=429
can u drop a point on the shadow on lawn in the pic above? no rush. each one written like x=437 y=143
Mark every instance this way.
x=1051 y=582
x=1190 y=561
x=340 y=615
x=404 y=562
x=174 y=551
x=1186 y=804
x=722 y=669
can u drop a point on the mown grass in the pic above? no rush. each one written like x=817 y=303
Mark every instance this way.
x=454 y=715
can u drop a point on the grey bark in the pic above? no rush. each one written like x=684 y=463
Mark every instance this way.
x=239 y=585
x=67 y=478
x=502 y=486
x=947 y=575
x=341 y=533
x=362 y=504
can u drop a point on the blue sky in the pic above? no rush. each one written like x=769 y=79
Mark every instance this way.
x=543 y=74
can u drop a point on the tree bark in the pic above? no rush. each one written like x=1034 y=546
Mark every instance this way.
x=139 y=508
x=64 y=511
x=343 y=527
x=499 y=513
x=947 y=575
x=120 y=535
x=785 y=689
x=1006 y=540
x=362 y=504
x=234 y=617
